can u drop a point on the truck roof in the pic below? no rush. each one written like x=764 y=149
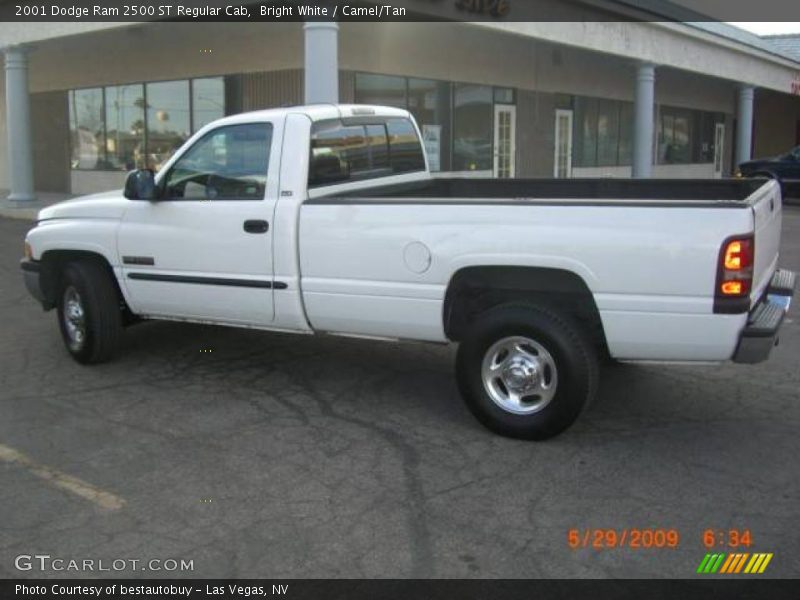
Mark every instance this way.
x=317 y=112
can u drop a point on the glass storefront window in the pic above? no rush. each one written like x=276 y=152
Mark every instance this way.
x=429 y=102
x=607 y=132
x=86 y=126
x=674 y=137
x=473 y=127
x=504 y=95
x=208 y=101
x=168 y=123
x=125 y=127
x=585 y=132
x=111 y=128
x=385 y=90
x=626 y=134
x=603 y=132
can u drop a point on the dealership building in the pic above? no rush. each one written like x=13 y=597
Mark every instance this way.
x=82 y=103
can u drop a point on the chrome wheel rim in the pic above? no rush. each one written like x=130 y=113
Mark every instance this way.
x=520 y=375
x=74 y=319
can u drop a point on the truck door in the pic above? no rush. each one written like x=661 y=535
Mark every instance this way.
x=203 y=250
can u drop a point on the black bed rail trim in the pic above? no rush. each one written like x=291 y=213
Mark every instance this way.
x=380 y=201
x=667 y=193
x=225 y=281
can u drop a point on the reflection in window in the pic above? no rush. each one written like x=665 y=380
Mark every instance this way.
x=168 y=124
x=607 y=132
x=504 y=95
x=406 y=151
x=347 y=152
x=107 y=125
x=674 y=137
x=86 y=129
x=125 y=126
x=626 y=134
x=472 y=135
x=342 y=153
x=429 y=102
x=603 y=132
x=208 y=101
x=585 y=132
x=384 y=90
x=229 y=163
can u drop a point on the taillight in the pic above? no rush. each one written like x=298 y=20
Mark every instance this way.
x=734 y=275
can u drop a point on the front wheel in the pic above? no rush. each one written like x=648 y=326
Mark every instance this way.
x=88 y=312
x=526 y=371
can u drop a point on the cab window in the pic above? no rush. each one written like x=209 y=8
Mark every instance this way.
x=228 y=163
x=342 y=152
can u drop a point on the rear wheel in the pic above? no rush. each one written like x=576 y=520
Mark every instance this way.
x=88 y=312
x=526 y=371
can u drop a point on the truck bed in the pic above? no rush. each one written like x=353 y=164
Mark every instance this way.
x=721 y=193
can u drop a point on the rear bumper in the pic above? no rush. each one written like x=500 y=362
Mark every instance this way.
x=764 y=321
x=31 y=274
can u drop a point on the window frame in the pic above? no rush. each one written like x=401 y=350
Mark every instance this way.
x=170 y=166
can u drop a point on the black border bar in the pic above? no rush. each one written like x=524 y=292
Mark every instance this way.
x=400 y=10
x=732 y=588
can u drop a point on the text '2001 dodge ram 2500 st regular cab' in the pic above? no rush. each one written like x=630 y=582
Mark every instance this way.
x=326 y=219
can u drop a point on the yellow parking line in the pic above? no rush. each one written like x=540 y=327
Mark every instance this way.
x=61 y=480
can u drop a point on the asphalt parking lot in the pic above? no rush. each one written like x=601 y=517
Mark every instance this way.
x=268 y=455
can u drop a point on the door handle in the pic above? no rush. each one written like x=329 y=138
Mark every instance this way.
x=256 y=226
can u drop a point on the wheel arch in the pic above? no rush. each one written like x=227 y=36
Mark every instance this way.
x=474 y=289
x=52 y=266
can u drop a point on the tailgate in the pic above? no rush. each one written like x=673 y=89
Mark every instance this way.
x=766 y=204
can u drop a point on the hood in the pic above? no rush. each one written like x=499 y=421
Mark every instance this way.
x=105 y=205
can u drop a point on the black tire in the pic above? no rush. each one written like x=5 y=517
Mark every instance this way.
x=99 y=301
x=573 y=355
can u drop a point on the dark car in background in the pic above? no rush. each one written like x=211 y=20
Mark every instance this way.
x=785 y=168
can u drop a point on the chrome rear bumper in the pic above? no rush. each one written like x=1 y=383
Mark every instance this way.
x=764 y=321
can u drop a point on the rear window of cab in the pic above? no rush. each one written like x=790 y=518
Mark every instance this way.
x=348 y=150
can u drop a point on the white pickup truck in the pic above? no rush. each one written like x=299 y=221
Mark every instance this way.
x=325 y=219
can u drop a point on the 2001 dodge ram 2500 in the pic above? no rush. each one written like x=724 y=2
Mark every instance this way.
x=326 y=219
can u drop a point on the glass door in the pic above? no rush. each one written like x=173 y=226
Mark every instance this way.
x=563 y=146
x=505 y=140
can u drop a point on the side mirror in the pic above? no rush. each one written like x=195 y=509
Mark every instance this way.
x=140 y=185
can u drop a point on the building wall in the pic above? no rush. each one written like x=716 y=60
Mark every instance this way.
x=164 y=51
x=273 y=89
x=777 y=124
x=535 y=133
x=51 y=154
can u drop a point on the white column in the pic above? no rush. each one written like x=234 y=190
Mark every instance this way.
x=18 y=124
x=644 y=103
x=321 y=62
x=744 y=124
